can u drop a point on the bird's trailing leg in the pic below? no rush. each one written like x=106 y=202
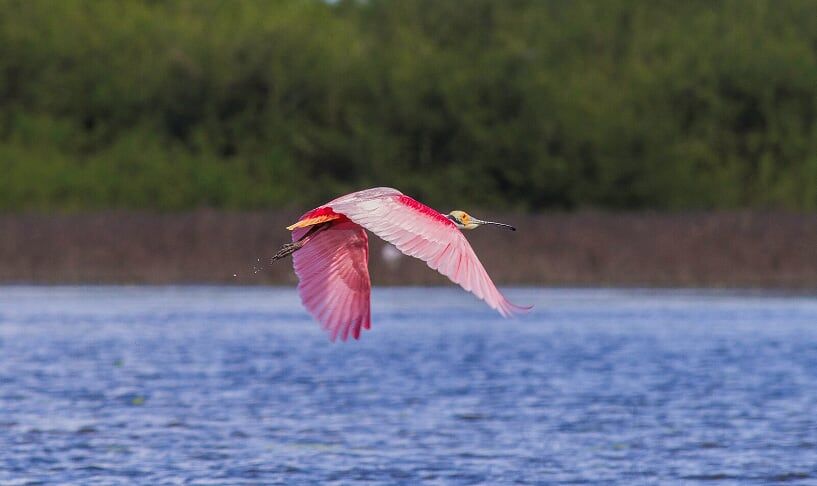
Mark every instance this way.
x=287 y=249
x=290 y=248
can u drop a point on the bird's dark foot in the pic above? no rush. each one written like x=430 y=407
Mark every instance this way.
x=287 y=249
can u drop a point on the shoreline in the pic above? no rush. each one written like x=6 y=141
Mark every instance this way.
x=721 y=250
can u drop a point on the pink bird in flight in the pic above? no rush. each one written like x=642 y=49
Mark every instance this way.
x=330 y=252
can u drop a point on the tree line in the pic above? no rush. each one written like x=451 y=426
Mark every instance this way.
x=519 y=104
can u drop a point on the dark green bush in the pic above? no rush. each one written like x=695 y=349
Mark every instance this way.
x=513 y=104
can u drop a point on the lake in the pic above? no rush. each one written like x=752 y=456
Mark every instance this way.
x=232 y=385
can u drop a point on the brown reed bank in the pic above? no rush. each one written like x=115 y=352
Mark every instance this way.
x=710 y=249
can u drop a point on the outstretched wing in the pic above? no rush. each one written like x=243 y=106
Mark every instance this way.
x=420 y=231
x=334 y=280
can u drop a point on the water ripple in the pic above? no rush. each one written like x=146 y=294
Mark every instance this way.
x=209 y=385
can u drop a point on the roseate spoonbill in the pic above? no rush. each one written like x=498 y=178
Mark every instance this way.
x=330 y=252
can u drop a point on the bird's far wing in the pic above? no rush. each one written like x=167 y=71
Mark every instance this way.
x=334 y=280
x=419 y=231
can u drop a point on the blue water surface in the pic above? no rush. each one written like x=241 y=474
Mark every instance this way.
x=220 y=385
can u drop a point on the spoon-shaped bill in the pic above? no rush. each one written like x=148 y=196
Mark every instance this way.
x=479 y=221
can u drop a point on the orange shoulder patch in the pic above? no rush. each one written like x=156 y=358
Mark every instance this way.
x=316 y=216
x=313 y=221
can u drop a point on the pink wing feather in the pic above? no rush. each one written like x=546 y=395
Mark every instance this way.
x=332 y=267
x=419 y=231
x=334 y=280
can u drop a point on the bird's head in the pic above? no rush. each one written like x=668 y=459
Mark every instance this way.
x=465 y=221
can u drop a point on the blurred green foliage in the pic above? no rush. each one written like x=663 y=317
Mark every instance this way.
x=513 y=104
